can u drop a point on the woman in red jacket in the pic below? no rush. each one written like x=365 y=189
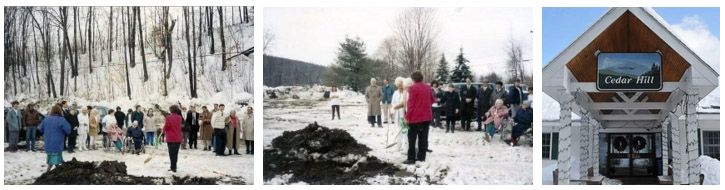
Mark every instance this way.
x=172 y=131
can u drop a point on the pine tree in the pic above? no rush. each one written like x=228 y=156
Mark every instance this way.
x=442 y=72
x=352 y=60
x=462 y=71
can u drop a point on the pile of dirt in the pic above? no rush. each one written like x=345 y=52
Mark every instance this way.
x=75 y=172
x=186 y=180
x=319 y=155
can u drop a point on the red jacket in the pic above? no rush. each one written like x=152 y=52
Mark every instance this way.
x=172 y=128
x=420 y=102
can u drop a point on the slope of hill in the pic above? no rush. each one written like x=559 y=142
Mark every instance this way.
x=280 y=71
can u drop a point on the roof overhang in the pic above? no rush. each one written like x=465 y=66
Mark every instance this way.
x=695 y=77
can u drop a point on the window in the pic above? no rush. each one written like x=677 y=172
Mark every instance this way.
x=549 y=145
x=546 y=146
x=711 y=144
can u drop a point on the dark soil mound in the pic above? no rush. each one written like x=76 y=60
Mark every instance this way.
x=319 y=155
x=75 y=172
x=186 y=180
x=86 y=173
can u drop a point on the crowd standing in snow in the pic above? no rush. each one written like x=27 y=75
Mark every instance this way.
x=416 y=106
x=73 y=128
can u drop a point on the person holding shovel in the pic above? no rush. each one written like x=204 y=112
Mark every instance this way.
x=398 y=101
x=172 y=133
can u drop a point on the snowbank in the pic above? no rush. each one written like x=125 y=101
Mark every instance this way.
x=710 y=167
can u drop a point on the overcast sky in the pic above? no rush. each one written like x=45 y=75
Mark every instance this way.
x=313 y=34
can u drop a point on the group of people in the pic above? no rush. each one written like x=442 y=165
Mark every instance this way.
x=65 y=129
x=415 y=106
x=492 y=107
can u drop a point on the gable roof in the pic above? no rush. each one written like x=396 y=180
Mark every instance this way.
x=703 y=78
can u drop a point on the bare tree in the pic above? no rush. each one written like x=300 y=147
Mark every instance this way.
x=416 y=34
x=210 y=23
x=268 y=40
x=221 y=37
x=110 y=35
x=514 y=64
x=188 y=51
x=140 y=41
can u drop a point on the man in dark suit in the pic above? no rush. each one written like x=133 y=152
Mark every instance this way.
x=468 y=96
x=484 y=101
x=192 y=119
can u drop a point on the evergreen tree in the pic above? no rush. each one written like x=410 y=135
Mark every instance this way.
x=351 y=67
x=461 y=72
x=442 y=72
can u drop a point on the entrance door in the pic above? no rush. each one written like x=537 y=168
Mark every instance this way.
x=631 y=155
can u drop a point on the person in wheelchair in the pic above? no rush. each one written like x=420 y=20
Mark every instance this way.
x=523 y=120
x=495 y=119
x=136 y=135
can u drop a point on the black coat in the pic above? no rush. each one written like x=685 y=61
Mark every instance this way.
x=120 y=118
x=484 y=100
x=468 y=92
x=451 y=101
x=189 y=120
x=73 y=121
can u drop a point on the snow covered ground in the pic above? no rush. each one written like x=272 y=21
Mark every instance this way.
x=23 y=167
x=459 y=158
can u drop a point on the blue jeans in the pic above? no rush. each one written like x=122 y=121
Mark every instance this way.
x=30 y=137
x=149 y=138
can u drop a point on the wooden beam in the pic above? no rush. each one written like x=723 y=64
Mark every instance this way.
x=639 y=117
x=628 y=106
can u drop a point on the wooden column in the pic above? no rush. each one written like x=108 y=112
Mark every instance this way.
x=564 y=160
x=693 y=166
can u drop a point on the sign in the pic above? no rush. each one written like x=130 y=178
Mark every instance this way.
x=629 y=71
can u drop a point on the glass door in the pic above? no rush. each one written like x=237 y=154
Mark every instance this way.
x=631 y=155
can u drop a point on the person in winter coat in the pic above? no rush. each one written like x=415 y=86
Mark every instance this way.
x=515 y=96
x=54 y=129
x=372 y=96
x=72 y=119
x=483 y=95
x=13 y=120
x=135 y=132
x=233 y=133
x=219 y=122
x=120 y=117
x=523 y=119
x=451 y=107
x=494 y=120
x=388 y=90
x=184 y=128
x=192 y=120
x=438 y=93
x=129 y=117
x=172 y=131
x=206 y=129
x=498 y=93
x=418 y=115
x=398 y=102
x=335 y=103
x=31 y=120
x=137 y=116
x=93 y=128
x=468 y=97
x=152 y=125
x=113 y=132
x=248 y=129
x=83 y=124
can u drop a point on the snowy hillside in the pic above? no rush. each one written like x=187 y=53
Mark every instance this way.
x=107 y=84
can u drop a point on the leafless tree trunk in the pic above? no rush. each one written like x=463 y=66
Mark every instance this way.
x=110 y=36
x=221 y=37
x=416 y=32
x=210 y=23
x=141 y=43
